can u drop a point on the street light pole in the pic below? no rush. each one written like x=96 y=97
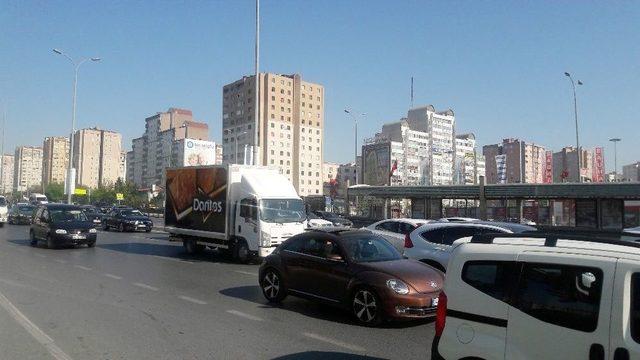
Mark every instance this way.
x=355 y=136
x=615 y=157
x=575 y=112
x=76 y=65
x=235 y=157
x=256 y=137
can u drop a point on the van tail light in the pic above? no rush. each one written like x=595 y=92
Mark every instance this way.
x=407 y=241
x=441 y=313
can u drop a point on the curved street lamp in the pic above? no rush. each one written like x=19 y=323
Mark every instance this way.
x=575 y=111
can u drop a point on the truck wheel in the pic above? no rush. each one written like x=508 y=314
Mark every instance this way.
x=192 y=247
x=241 y=251
x=50 y=243
x=32 y=237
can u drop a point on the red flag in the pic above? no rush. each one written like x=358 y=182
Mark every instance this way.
x=394 y=167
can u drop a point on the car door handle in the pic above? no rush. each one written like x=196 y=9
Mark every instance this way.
x=621 y=354
x=596 y=352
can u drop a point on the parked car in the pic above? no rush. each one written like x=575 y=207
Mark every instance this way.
x=314 y=221
x=540 y=296
x=633 y=230
x=21 y=215
x=354 y=269
x=93 y=213
x=432 y=243
x=335 y=219
x=394 y=230
x=4 y=210
x=62 y=225
x=127 y=220
x=457 y=219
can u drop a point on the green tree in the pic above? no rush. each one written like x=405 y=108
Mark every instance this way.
x=54 y=192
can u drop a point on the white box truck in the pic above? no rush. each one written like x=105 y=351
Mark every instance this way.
x=241 y=209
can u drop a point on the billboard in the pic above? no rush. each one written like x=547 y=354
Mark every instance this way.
x=598 y=166
x=548 y=167
x=197 y=198
x=376 y=166
x=198 y=152
x=501 y=168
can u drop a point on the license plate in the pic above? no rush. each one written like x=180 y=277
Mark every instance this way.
x=434 y=302
x=77 y=237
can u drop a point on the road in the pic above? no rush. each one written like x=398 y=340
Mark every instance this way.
x=137 y=296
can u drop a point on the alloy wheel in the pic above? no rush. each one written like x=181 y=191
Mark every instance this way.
x=364 y=306
x=271 y=285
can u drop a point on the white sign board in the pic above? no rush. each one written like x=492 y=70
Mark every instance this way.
x=199 y=152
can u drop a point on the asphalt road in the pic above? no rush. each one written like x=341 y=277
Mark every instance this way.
x=137 y=296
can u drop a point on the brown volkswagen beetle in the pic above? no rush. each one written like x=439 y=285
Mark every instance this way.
x=354 y=269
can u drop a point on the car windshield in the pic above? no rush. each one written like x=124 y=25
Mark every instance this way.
x=369 y=248
x=328 y=215
x=58 y=215
x=26 y=210
x=311 y=215
x=127 y=213
x=3 y=201
x=282 y=210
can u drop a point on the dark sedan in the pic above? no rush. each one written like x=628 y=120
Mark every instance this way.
x=21 y=214
x=335 y=219
x=354 y=269
x=127 y=220
x=62 y=225
x=93 y=213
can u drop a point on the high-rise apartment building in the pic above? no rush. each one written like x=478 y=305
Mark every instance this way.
x=122 y=168
x=565 y=165
x=152 y=153
x=291 y=123
x=631 y=172
x=55 y=160
x=96 y=157
x=6 y=175
x=520 y=162
x=469 y=165
x=27 y=173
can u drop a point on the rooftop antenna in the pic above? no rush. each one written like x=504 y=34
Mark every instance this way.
x=412 y=92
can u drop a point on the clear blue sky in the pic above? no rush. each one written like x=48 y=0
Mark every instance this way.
x=498 y=65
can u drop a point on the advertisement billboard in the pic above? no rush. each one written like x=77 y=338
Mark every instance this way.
x=598 y=166
x=376 y=166
x=197 y=198
x=198 y=152
x=548 y=167
x=501 y=168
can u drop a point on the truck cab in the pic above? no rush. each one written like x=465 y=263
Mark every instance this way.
x=267 y=209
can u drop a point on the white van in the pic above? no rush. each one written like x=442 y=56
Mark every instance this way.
x=4 y=210
x=541 y=296
x=38 y=199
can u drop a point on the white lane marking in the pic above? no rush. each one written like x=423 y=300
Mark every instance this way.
x=245 y=272
x=244 y=315
x=190 y=299
x=41 y=255
x=334 y=342
x=113 y=276
x=145 y=286
x=62 y=261
x=35 y=331
x=82 y=267
x=172 y=259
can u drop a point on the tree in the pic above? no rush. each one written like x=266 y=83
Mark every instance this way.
x=54 y=192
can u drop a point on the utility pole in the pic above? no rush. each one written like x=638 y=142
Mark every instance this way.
x=256 y=137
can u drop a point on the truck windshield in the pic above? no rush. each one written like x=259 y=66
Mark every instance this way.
x=282 y=210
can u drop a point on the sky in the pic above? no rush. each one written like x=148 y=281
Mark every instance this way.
x=498 y=64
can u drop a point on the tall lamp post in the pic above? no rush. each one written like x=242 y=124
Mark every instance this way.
x=615 y=157
x=76 y=66
x=575 y=112
x=355 y=136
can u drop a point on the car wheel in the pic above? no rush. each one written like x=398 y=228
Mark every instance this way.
x=50 y=243
x=272 y=286
x=91 y=244
x=241 y=251
x=32 y=237
x=121 y=227
x=366 y=307
x=105 y=227
x=148 y=230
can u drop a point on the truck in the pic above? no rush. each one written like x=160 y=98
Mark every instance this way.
x=245 y=211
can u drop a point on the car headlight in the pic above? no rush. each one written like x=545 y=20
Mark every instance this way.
x=398 y=286
x=93 y=231
x=265 y=239
x=61 y=231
